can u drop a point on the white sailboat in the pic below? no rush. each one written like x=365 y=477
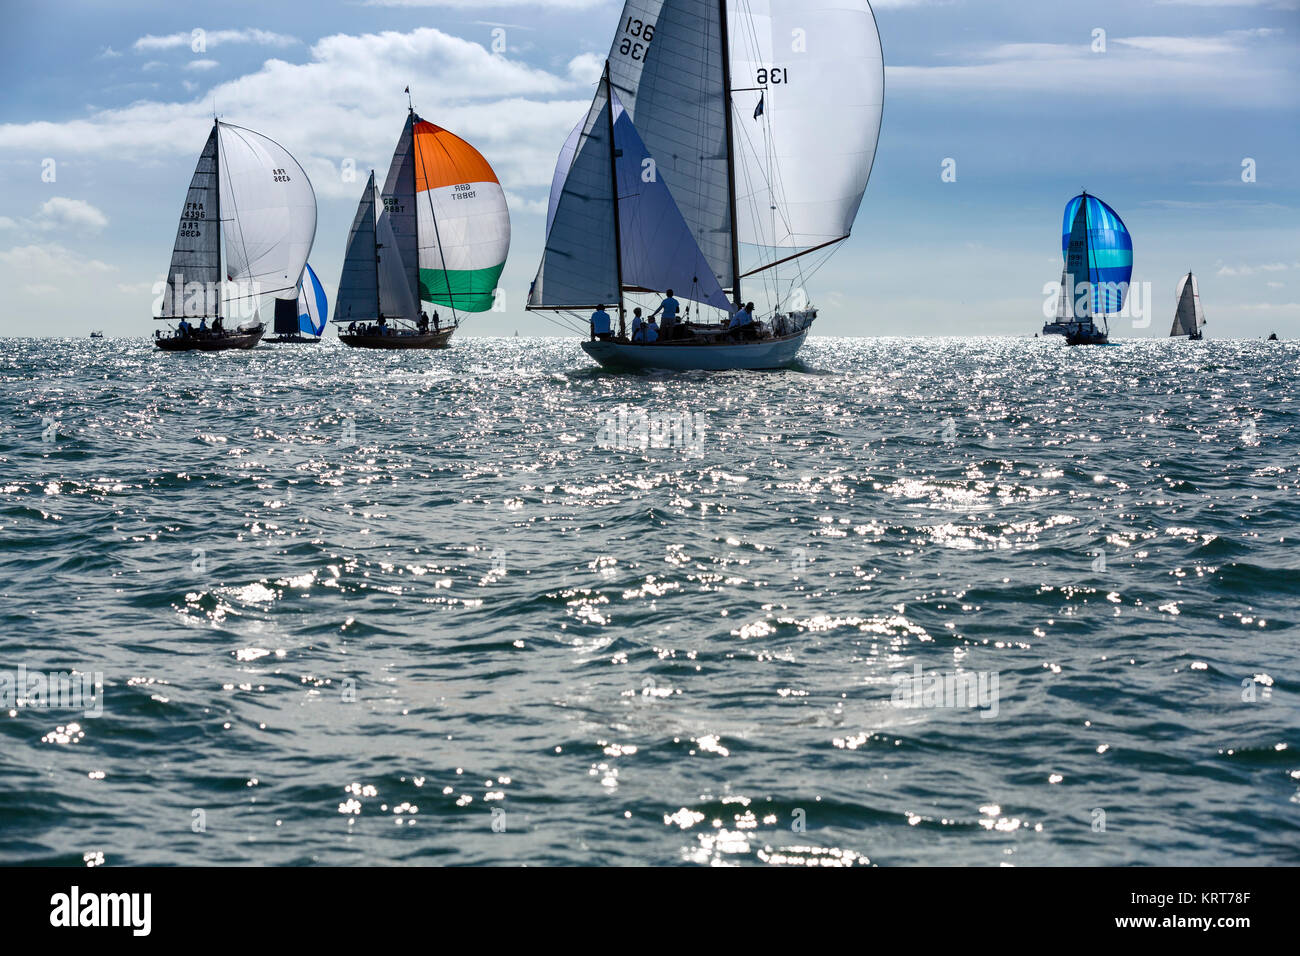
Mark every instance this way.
x=248 y=190
x=728 y=143
x=1189 y=317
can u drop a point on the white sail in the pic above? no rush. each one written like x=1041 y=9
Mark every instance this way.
x=269 y=212
x=817 y=68
x=1188 y=315
x=196 y=256
x=667 y=66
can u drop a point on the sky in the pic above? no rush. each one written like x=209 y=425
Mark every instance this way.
x=1184 y=115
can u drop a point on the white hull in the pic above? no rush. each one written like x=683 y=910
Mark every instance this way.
x=774 y=353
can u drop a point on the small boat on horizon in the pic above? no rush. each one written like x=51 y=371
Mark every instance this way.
x=96 y=335
x=695 y=145
x=268 y=230
x=439 y=232
x=1189 y=317
x=1098 y=251
x=305 y=324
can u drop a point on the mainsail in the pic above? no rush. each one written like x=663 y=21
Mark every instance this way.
x=395 y=300
x=269 y=211
x=313 y=307
x=1188 y=316
x=358 y=295
x=196 y=256
x=1076 y=289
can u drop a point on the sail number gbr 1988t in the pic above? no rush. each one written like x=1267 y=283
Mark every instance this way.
x=636 y=39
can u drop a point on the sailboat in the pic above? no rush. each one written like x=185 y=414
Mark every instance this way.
x=1098 y=251
x=1189 y=317
x=313 y=309
x=708 y=134
x=439 y=232
x=250 y=191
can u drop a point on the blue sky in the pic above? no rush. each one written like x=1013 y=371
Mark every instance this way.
x=1158 y=125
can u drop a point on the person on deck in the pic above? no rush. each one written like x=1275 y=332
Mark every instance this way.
x=218 y=327
x=383 y=325
x=203 y=324
x=435 y=320
x=669 y=307
x=651 y=331
x=423 y=324
x=600 y=325
x=184 y=328
x=741 y=323
x=637 y=334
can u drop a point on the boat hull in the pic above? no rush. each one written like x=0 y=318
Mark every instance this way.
x=426 y=340
x=207 y=342
x=680 y=356
x=292 y=340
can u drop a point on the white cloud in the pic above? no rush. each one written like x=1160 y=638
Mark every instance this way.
x=1255 y=270
x=201 y=65
x=59 y=213
x=49 y=262
x=587 y=67
x=173 y=41
x=1244 y=72
x=346 y=102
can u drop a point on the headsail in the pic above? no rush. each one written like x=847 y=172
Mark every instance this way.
x=817 y=68
x=1188 y=315
x=196 y=256
x=269 y=211
x=579 y=268
x=464 y=225
x=667 y=65
x=313 y=307
x=656 y=244
x=358 y=295
x=1110 y=251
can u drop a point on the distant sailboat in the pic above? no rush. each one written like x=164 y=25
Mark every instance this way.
x=1189 y=317
x=96 y=335
x=1098 y=251
x=438 y=233
x=248 y=189
x=306 y=323
x=705 y=136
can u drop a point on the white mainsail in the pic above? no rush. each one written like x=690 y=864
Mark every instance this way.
x=268 y=210
x=196 y=255
x=1188 y=315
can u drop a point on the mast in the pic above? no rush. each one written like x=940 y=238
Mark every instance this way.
x=731 y=150
x=216 y=124
x=613 y=179
x=374 y=214
x=433 y=216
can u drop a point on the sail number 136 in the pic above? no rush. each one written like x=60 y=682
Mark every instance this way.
x=637 y=37
x=773 y=76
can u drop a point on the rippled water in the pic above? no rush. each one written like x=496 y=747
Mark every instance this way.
x=445 y=608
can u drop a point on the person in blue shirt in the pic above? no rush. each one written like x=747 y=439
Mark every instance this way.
x=203 y=324
x=637 y=334
x=651 y=331
x=742 y=323
x=600 y=328
x=669 y=307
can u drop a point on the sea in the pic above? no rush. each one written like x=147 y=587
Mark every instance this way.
x=915 y=601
